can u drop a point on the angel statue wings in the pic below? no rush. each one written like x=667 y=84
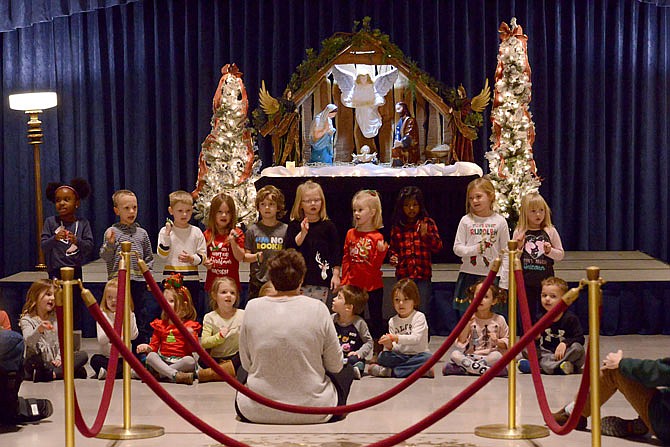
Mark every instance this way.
x=360 y=92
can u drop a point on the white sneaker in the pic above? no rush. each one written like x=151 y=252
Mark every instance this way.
x=379 y=370
x=102 y=374
x=357 y=373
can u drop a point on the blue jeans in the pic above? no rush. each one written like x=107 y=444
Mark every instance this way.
x=11 y=351
x=403 y=365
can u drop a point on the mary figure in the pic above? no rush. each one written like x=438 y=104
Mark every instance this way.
x=322 y=136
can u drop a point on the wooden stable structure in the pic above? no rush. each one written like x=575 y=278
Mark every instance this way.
x=436 y=120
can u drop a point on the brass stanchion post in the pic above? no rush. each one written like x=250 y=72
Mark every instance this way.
x=64 y=300
x=127 y=430
x=512 y=430
x=595 y=297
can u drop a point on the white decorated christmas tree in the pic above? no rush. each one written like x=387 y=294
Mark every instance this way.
x=228 y=160
x=511 y=164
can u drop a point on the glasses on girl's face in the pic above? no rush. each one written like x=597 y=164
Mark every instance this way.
x=312 y=201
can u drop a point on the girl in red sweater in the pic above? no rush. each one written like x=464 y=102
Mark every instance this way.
x=168 y=353
x=363 y=255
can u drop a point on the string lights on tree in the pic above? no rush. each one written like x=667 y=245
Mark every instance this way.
x=512 y=168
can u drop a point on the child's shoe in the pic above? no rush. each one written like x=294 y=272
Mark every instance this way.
x=379 y=370
x=357 y=373
x=523 y=366
x=184 y=377
x=622 y=428
x=102 y=374
x=561 y=417
x=452 y=369
x=430 y=374
x=566 y=368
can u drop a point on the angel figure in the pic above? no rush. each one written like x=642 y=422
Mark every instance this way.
x=322 y=136
x=360 y=92
x=462 y=147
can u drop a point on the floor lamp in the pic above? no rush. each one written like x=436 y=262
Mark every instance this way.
x=33 y=104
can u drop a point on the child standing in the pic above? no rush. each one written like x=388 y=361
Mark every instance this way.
x=540 y=247
x=224 y=240
x=40 y=330
x=363 y=255
x=100 y=361
x=315 y=236
x=168 y=352
x=67 y=240
x=127 y=229
x=406 y=343
x=265 y=237
x=221 y=329
x=484 y=340
x=414 y=238
x=183 y=246
x=561 y=344
x=480 y=236
x=352 y=331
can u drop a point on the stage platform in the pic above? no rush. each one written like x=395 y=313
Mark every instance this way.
x=635 y=298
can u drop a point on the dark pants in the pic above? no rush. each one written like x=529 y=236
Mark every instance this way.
x=376 y=318
x=11 y=374
x=147 y=310
x=99 y=361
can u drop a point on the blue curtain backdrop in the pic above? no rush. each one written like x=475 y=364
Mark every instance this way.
x=135 y=81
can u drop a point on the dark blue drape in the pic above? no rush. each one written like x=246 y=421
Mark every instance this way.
x=135 y=83
x=16 y=14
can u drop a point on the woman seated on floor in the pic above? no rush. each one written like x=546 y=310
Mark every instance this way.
x=289 y=350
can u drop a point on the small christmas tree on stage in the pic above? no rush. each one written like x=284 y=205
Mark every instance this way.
x=228 y=160
x=513 y=171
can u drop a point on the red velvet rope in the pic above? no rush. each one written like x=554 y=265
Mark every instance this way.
x=476 y=385
x=195 y=345
x=156 y=387
x=580 y=401
x=111 y=367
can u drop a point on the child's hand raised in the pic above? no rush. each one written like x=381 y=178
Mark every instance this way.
x=423 y=228
x=382 y=246
x=110 y=236
x=547 y=248
x=45 y=326
x=223 y=332
x=168 y=226
x=207 y=263
x=304 y=226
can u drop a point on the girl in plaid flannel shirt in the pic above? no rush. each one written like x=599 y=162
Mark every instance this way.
x=414 y=239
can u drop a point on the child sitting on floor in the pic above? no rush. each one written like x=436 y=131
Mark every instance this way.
x=562 y=343
x=352 y=330
x=406 y=343
x=168 y=352
x=484 y=340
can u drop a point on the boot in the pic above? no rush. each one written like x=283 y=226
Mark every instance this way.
x=184 y=377
x=209 y=375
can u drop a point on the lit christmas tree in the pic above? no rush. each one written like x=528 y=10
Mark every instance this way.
x=511 y=164
x=228 y=160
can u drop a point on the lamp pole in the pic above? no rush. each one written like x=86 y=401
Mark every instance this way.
x=35 y=139
x=33 y=104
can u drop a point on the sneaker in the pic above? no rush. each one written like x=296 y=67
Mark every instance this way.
x=379 y=370
x=357 y=373
x=33 y=410
x=102 y=374
x=566 y=368
x=523 y=366
x=561 y=417
x=622 y=428
x=452 y=369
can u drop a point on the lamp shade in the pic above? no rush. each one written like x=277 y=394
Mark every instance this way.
x=35 y=101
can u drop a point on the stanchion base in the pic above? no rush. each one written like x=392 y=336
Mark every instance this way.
x=502 y=431
x=134 y=432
